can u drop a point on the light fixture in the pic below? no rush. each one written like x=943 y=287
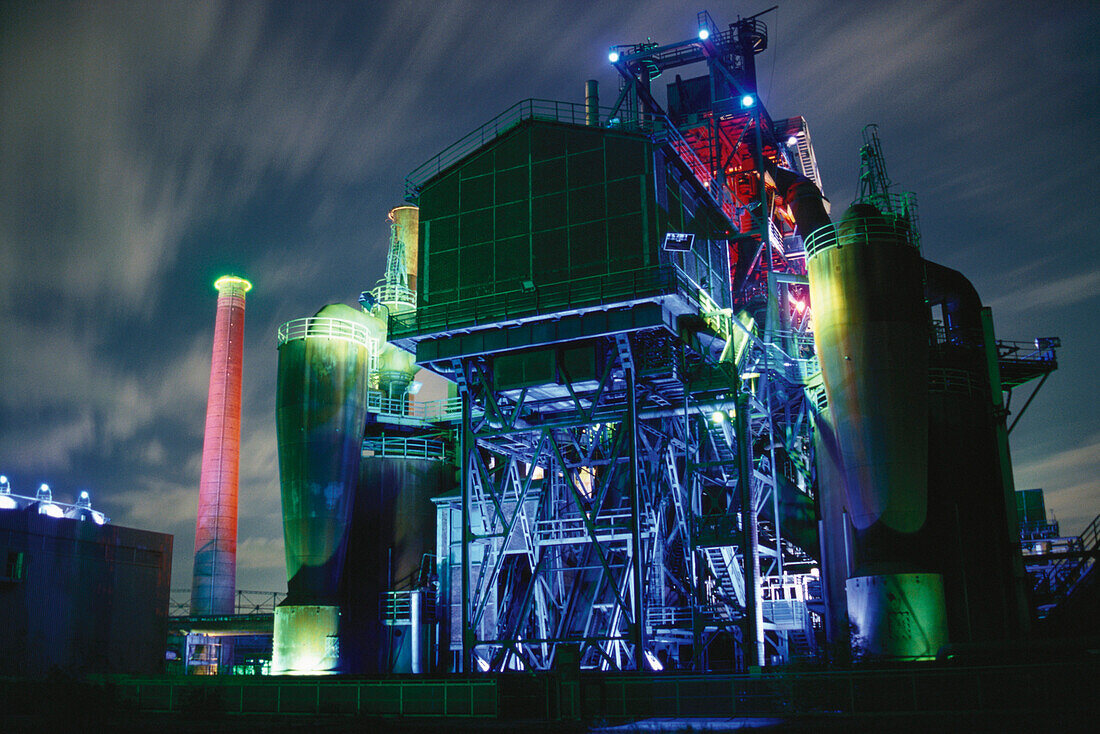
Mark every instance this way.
x=613 y=57
x=51 y=510
x=654 y=661
x=718 y=416
x=792 y=141
x=748 y=101
x=704 y=34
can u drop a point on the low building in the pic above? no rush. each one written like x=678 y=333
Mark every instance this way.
x=78 y=594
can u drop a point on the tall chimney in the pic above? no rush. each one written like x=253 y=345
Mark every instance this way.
x=215 y=575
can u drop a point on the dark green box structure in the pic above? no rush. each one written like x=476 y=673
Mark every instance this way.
x=549 y=217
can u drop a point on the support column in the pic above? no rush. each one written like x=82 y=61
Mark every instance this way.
x=465 y=440
x=636 y=523
x=754 y=622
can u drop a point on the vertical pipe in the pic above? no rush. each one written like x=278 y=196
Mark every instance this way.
x=464 y=467
x=1018 y=607
x=635 y=522
x=592 y=103
x=754 y=622
x=214 y=579
x=415 y=632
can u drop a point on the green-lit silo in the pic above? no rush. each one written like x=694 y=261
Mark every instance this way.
x=325 y=367
x=871 y=336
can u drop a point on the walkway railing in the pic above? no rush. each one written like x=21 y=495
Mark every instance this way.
x=1068 y=572
x=428 y=411
x=871 y=231
x=392 y=294
x=407 y=448
x=999 y=694
x=318 y=326
x=247 y=602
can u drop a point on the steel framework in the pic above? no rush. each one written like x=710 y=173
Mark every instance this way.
x=633 y=515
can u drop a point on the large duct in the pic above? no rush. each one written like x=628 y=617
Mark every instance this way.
x=214 y=583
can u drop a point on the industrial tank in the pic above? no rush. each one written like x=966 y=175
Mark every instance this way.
x=325 y=367
x=871 y=337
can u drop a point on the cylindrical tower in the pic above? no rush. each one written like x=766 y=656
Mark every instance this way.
x=871 y=334
x=325 y=365
x=397 y=293
x=215 y=573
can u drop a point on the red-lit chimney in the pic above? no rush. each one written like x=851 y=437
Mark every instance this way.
x=215 y=575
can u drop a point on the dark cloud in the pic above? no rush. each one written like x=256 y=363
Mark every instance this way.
x=150 y=147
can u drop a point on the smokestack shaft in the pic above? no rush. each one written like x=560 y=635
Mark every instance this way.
x=215 y=572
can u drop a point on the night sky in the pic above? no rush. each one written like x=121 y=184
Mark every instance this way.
x=147 y=148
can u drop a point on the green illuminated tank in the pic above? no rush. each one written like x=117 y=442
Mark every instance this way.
x=871 y=336
x=325 y=366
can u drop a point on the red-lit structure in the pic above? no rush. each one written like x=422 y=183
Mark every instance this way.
x=215 y=573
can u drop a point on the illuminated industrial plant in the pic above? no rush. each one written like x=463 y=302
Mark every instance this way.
x=694 y=423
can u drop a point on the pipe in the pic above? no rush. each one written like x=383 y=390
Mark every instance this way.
x=962 y=307
x=415 y=632
x=592 y=103
x=753 y=635
x=802 y=195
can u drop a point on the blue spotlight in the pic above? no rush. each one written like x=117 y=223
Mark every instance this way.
x=748 y=101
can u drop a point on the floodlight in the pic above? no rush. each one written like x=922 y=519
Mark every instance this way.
x=704 y=34
x=748 y=101
x=613 y=57
x=654 y=662
x=51 y=510
x=792 y=141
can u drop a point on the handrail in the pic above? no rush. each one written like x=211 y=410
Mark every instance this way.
x=528 y=109
x=1018 y=351
x=407 y=448
x=393 y=293
x=870 y=231
x=397 y=606
x=247 y=602
x=429 y=411
x=329 y=328
x=1067 y=572
x=658 y=127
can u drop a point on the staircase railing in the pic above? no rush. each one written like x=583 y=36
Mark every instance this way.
x=1068 y=572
